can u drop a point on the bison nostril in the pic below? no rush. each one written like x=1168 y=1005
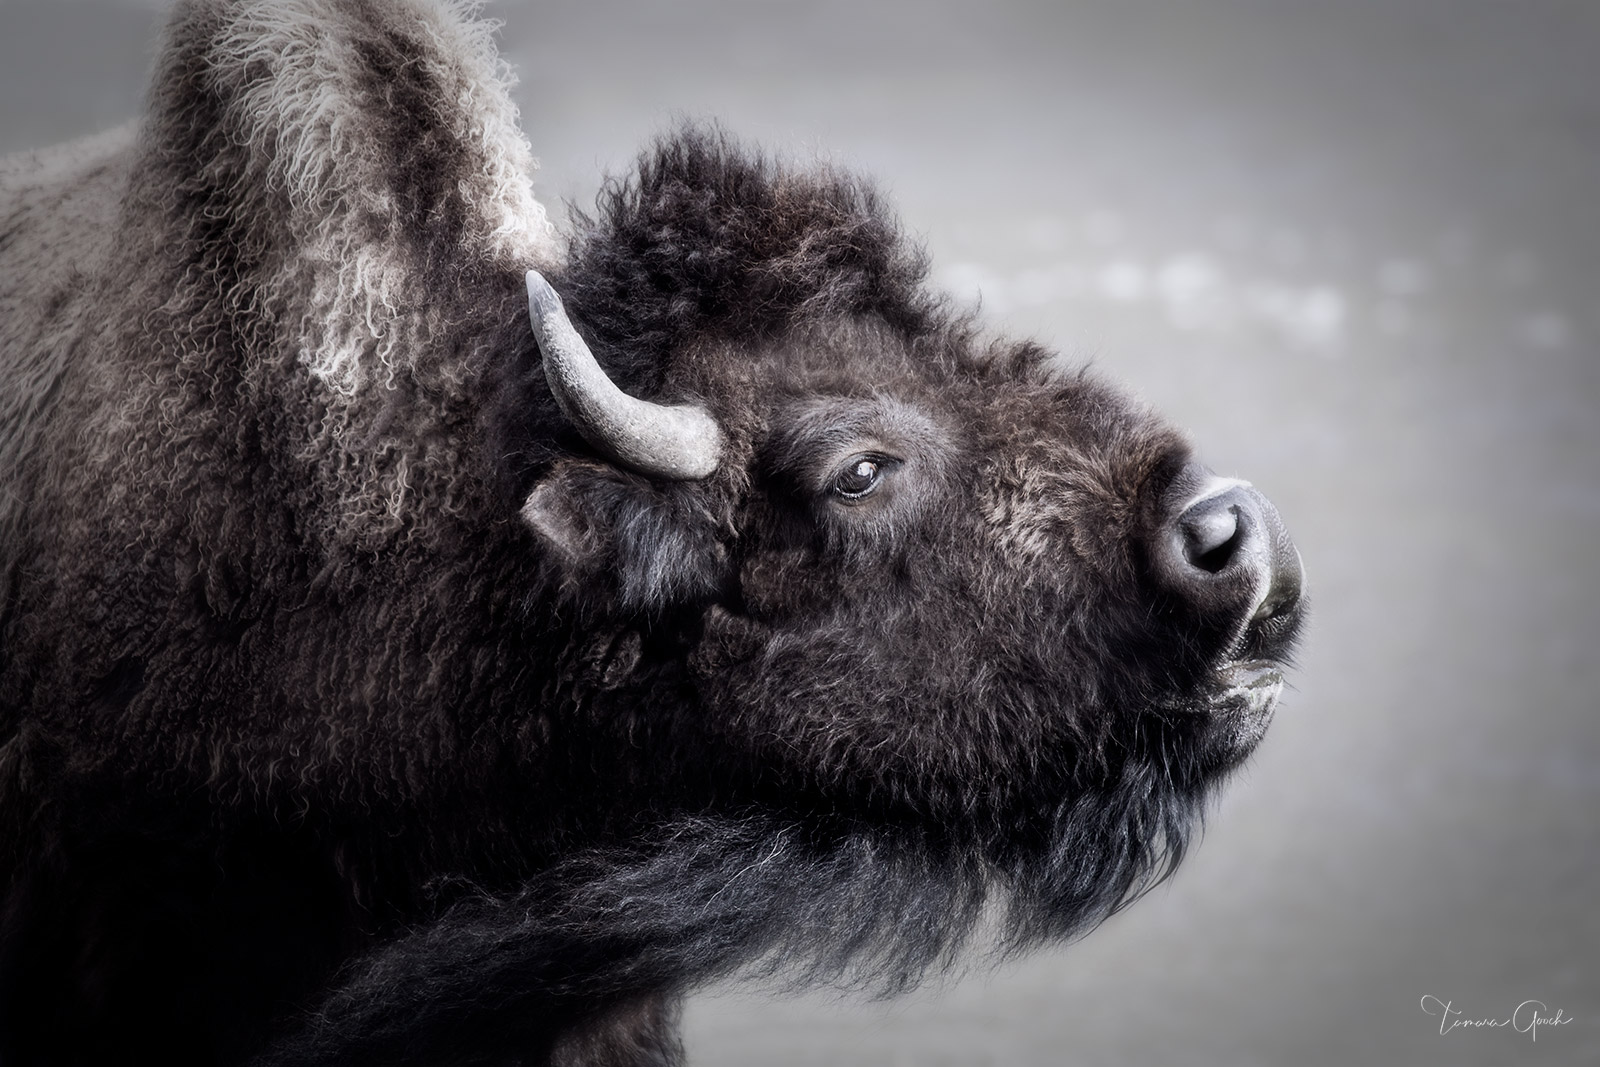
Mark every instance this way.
x=1212 y=534
x=1220 y=533
x=1222 y=550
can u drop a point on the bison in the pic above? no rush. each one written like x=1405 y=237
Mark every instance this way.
x=430 y=640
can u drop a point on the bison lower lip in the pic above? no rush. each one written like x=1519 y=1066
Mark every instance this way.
x=1242 y=709
x=1250 y=687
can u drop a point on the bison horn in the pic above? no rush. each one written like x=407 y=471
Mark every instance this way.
x=671 y=441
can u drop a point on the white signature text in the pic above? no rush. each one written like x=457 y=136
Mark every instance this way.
x=1526 y=1019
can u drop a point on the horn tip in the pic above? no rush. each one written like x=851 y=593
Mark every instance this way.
x=542 y=297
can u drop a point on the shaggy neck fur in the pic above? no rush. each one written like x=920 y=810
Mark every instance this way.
x=498 y=978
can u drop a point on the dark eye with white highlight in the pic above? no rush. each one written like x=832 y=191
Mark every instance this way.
x=860 y=478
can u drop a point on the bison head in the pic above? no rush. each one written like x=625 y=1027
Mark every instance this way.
x=860 y=570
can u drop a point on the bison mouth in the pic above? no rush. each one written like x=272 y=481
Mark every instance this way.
x=1237 y=704
x=1221 y=724
x=1240 y=709
x=1246 y=689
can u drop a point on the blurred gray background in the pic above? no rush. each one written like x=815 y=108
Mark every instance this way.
x=1354 y=248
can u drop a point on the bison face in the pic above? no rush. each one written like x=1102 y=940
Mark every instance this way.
x=967 y=587
x=938 y=588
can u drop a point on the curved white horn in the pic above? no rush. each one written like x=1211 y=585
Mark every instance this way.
x=672 y=441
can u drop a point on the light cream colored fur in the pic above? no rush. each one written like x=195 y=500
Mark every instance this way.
x=116 y=322
x=302 y=124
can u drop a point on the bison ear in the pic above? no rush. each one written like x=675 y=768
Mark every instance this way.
x=553 y=514
x=618 y=539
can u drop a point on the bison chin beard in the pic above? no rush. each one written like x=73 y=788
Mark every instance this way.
x=502 y=978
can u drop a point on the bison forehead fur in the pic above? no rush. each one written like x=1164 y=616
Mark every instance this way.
x=358 y=706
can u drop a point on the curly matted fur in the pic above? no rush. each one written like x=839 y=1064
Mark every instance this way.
x=354 y=710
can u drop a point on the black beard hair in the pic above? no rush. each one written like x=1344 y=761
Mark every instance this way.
x=497 y=979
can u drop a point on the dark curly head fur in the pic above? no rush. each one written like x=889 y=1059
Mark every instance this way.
x=356 y=710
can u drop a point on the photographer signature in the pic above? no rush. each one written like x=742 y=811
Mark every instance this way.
x=1526 y=1019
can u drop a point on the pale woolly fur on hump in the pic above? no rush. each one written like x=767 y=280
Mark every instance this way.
x=358 y=157
x=305 y=127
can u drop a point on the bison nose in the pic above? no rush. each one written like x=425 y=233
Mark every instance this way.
x=1224 y=550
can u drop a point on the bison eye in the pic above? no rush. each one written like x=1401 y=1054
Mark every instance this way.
x=860 y=478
